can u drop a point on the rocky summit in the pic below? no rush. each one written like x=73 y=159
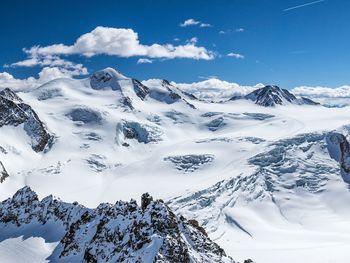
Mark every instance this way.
x=272 y=95
x=123 y=232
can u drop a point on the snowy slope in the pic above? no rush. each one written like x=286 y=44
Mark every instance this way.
x=253 y=176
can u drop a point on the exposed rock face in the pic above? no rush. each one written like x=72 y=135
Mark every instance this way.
x=123 y=232
x=168 y=93
x=3 y=173
x=14 y=112
x=140 y=89
x=110 y=78
x=190 y=162
x=339 y=149
x=85 y=115
x=143 y=133
x=106 y=78
x=272 y=95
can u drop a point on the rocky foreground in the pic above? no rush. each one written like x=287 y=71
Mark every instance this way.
x=123 y=232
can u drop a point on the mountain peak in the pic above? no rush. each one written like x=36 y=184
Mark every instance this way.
x=272 y=95
x=112 y=72
x=107 y=77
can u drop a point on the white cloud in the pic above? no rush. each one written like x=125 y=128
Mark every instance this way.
x=229 y=31
x=235 y=55
x=324 y=92
x=46 y=74
x=119 y=42
x=54 y=62
x=192 y=41
x=215 y=89
x=193 y=22
x=144 y=61
x=339 y=96
x=189 y=22
x=205 y=25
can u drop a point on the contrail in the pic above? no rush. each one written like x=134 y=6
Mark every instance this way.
x=300 y=6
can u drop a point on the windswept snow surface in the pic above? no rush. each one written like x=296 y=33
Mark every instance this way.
x=262 y=182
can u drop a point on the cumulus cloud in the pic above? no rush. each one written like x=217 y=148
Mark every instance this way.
x=53 y=62
x=241 y=29
x=214 y=89
x=144 y=61
x=119 y=42
x=340 y=92
x=193 y=22
x=235 y=55
x=46 y=74
x=192 y=41
x=339 y=96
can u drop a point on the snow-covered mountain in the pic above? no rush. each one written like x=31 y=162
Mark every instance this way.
x=267 y=183
x=272 y=95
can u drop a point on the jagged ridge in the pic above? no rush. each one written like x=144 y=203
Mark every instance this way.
x=123 y=232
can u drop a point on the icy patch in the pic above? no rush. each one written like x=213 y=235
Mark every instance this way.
x=259 y=116
x=52 y=169
x=285 y=168
x=97 y=162
x=155 y=119
x=296 y=162
x=92 y=136
x=85 y=116
x=220 y=139
x=190 y=162
x=46 y=93
x=177 y=117
x=141 y=132
x=254 y=140
x=216 y=124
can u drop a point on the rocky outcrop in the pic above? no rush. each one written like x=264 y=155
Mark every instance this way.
x=339 y=150
x=123 y=232
x=164 y=91
x=13 y=111
x=142 y=133
x=140 y=89
x=3 y=173
x=110 y=78
x=272 y=95
x=190 y=162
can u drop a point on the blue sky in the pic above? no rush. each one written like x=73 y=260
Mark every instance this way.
x=308 y=45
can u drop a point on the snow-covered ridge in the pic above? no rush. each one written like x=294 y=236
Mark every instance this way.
x=123 y=232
